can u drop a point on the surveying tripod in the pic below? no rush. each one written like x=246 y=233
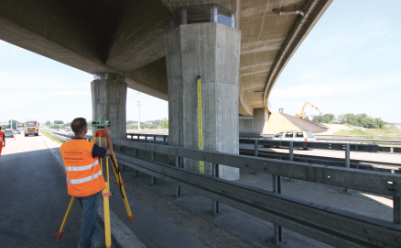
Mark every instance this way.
x=105 y=192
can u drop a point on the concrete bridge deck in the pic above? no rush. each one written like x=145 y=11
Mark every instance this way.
x=34 y=200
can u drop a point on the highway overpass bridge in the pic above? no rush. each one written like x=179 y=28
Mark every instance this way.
x=160 y=47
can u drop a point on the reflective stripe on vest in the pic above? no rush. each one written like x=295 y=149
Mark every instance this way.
x=84 y=175
x=85 y=179
x=81 y=168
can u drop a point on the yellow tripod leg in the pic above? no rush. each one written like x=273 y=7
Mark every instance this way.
x=65 y=218
x=120 y=179
x=106 y=193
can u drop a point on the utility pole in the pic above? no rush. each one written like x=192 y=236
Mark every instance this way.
x=139 y=112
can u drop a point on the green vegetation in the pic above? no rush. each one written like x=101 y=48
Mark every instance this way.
x=51 y=137
x=327 y=118
x=374 y=133
x=359 y=120
x=155 y=124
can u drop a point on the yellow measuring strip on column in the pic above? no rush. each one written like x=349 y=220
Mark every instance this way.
x=201 y=168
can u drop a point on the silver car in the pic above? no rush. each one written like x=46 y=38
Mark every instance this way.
x=294 y=136
x=302 y=136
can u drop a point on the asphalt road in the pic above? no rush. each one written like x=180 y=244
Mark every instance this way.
x=33 y=201
x=33 y=197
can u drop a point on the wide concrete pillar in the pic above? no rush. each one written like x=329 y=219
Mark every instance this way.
x=212 y=51
x=109 y=97
x=257 y=124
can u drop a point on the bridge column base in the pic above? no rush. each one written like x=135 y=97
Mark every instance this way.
x=211 y=51
x=109 y=96
x=257 y=124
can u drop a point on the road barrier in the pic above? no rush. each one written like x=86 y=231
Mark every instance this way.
x=331 y=226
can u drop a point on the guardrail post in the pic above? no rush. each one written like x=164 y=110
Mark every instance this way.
x=164 y=140
x=397 y=209
x=347 y=163
x=146 y=138
x=256 y=148
x=177 y=164
x=278 y=232
x=216 y=205
x=291 y=157
x=136 y=155
x=152 y=178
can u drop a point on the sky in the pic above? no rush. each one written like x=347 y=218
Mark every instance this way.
x=349 y=63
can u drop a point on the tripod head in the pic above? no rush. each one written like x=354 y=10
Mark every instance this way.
x=101 y=124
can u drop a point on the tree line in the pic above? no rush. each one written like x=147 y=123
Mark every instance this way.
x=360 y=120
x=155 y=124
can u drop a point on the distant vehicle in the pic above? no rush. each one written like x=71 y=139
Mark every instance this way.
x=8 y=134
x=31 y=127
x=16 y=131
x=67 y=129
x=299 y=136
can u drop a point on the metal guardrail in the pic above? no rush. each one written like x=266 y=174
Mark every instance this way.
x=59 y=136
x=332 y=226
x=323 y=145
x=155 y=138
x=354 y=163
x=369 y=141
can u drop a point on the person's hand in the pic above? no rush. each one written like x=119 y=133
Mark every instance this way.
x=107 y=132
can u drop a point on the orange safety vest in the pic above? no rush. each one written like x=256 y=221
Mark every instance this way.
x=1 y=136
x=84 y=175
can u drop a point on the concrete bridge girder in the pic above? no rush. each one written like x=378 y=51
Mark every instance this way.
x=127 y=37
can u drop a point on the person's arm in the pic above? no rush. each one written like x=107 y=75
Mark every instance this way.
x=109 y=147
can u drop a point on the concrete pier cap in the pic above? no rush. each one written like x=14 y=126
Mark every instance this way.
x=210 y=50
x=109 y=97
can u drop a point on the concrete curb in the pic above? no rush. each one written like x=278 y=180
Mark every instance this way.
x=120 y=233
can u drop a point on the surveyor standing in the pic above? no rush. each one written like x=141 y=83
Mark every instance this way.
x=2 y=141
x=84 y=178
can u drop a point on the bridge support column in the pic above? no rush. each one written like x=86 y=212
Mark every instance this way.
x=256 y=124
x=109 y=95
x=211 y=51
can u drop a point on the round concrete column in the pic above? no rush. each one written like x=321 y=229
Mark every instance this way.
x=109 y=97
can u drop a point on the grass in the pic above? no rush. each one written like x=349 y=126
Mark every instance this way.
x=374 y=134
x=51 y=137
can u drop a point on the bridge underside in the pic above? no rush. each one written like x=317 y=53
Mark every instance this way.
x=128 y=37
x=160 y=47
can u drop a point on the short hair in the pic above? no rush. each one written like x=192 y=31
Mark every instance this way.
x=0 y=128
x=78 y=125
